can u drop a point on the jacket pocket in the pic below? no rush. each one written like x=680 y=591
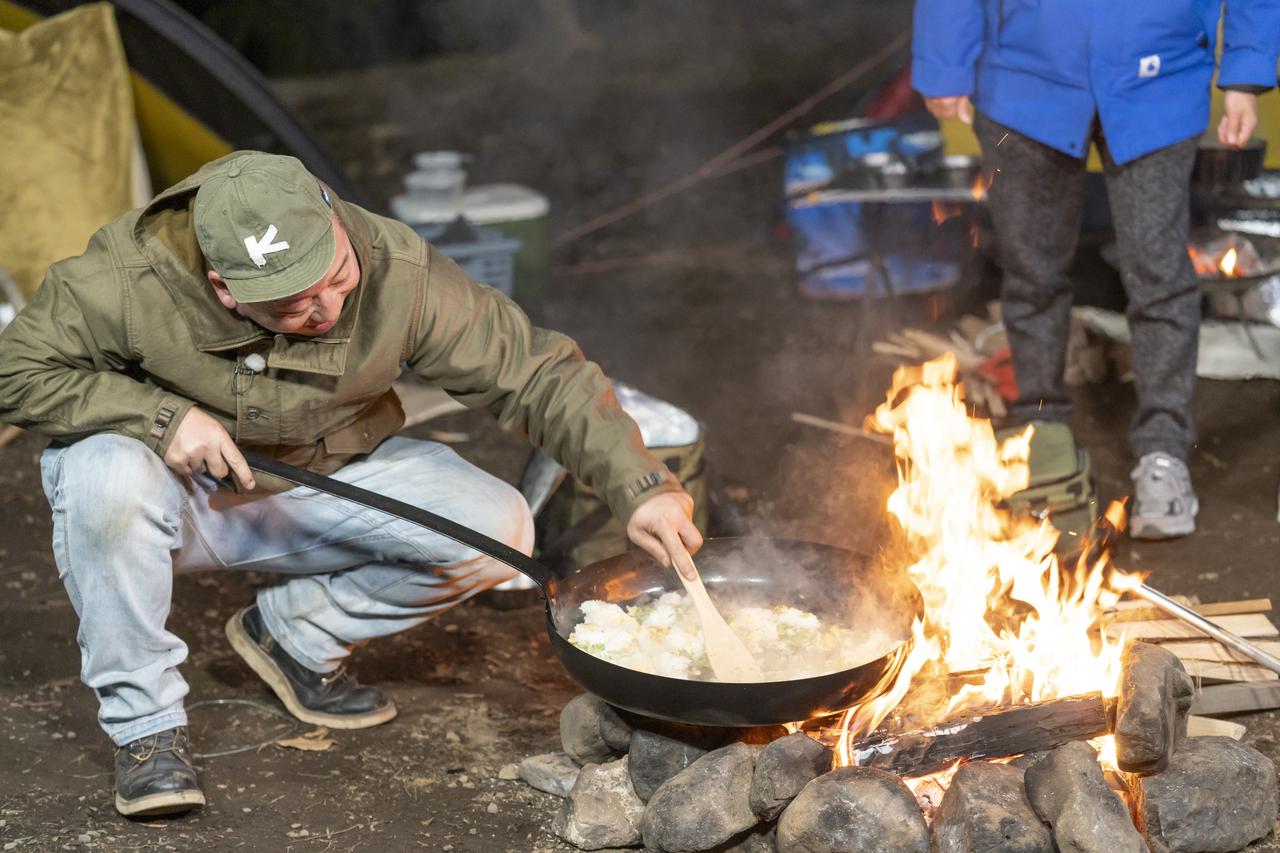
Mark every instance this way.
x=1177 y=31
x=381 y=420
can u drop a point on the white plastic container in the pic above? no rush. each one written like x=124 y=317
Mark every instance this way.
x=433 y=191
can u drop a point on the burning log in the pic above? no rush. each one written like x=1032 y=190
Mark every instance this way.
x=995 y=734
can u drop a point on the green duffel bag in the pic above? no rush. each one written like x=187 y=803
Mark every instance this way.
x=577 y=529
x=1061 y=484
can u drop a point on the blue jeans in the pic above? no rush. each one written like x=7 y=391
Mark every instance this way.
x=123 y=523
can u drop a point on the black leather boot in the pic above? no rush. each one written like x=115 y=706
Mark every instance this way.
x=332 y=699
x=155 y=776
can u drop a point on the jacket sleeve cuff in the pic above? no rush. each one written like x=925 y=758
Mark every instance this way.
x=1247 y=67
x=164 y=420
x=942 y=81
x=624 y=498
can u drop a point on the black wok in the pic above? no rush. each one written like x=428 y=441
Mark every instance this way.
x=837 y=585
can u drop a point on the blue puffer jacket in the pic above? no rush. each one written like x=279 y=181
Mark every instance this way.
x=1046 y=67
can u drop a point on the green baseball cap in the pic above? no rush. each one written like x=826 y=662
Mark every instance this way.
x=265 y=225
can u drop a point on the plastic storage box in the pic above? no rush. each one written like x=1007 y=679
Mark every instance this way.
x=517 y=211
x=484 y=253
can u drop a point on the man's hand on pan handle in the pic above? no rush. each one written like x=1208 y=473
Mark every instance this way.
x=202 y=446
x=663 y=526
x=957 y=107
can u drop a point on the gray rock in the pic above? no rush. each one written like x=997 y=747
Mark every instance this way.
x=783 y=768
x=655 y=758
x=854 y=810
x=1216 y=795
x=602 y=810
x=591 y=731
x=761 y=839
x=1067 y=789
x=553 y=772
x=706 y=804
x=986 y=811
x=1028 y=759
x=1151 y=712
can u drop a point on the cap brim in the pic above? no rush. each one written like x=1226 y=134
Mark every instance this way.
x=295 y=278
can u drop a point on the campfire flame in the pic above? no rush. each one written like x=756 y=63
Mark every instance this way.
x=942 y=212
x=1228 y=262
x=1215 y=262
x=997 y=601
x=981 y=184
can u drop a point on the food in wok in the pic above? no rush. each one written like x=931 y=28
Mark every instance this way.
x=663 y=637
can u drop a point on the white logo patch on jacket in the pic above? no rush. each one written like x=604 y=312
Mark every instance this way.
x=1149 y=66
x=259 y=249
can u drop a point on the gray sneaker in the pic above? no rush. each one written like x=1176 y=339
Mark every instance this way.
x=1164 y=505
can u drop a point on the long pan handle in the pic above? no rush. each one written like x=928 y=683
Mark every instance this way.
x=526 y=566
x=1168 y=605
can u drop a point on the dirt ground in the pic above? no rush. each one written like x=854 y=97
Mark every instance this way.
x=700 y=310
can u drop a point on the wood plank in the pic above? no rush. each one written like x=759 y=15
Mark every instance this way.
x=1221 y=608
x=1209 y=727
x=1243 y=625
x=1235 y=698
x=1229 y=671
x=1211 y=650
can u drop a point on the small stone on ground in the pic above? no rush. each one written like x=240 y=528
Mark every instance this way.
x=553 y=772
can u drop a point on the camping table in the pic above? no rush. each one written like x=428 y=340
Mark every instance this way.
x=877 y=202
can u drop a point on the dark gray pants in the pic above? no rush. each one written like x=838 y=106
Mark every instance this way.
x=1036 y=201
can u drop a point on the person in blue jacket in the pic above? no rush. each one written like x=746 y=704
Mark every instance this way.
x=1042 y=79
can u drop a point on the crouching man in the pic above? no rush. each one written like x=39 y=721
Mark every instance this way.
x=249 y=306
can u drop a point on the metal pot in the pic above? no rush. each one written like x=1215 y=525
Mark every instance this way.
x=1219 y=166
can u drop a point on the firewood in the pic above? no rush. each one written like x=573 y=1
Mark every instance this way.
x=1209 y=727
x=843 y=429
x=1219 y=671
x=972 y=327
x=992 y=734
x=1243 y=625
x=1211 y=650
x=1234 y=698
x=963 y=346
x=887 y=348
x=967 y=358
x=1147 y=613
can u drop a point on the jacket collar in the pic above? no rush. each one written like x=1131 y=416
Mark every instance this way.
x=164 y=234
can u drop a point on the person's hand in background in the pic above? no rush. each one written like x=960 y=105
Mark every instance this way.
x=1239 y=118
x=955 y=107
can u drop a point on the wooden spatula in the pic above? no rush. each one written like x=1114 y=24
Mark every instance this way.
x=730 y=659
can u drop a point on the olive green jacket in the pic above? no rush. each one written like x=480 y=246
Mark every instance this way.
x=128 y=336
